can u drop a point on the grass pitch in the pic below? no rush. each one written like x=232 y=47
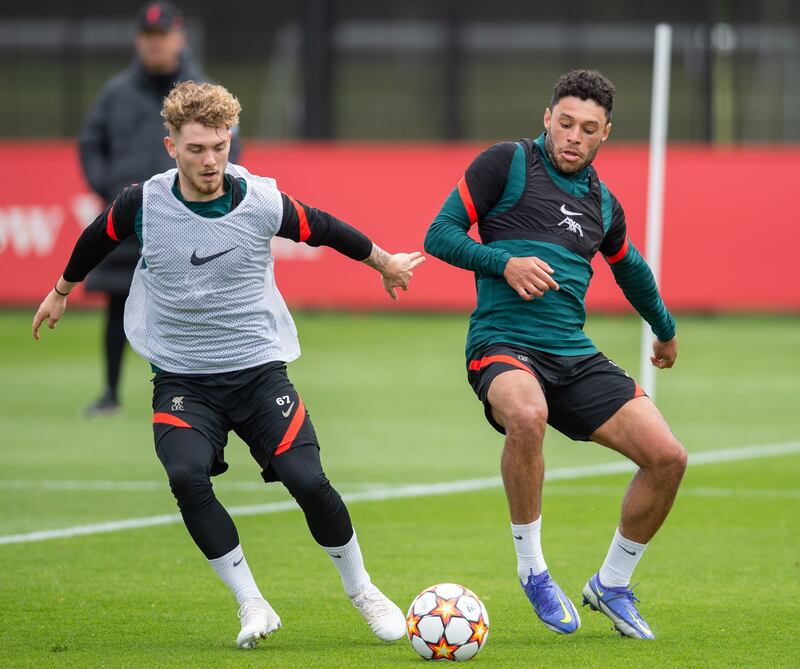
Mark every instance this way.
x=719 y=584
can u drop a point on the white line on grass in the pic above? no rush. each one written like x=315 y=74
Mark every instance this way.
x=739 y=493
x=136 y=486
x=404 y=491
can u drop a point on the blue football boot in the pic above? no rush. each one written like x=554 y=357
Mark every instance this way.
x=551 y=604
x=619 y=604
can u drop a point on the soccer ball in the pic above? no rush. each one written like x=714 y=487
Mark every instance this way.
x=447 y=622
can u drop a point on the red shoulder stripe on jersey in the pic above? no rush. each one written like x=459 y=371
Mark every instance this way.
x=619 y=255
x=475 y=365
x=293 y=429
x=110 y=225
x=466 y=198
x=169 y=419
x=305 y=231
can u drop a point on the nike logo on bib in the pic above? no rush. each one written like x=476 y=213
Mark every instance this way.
x=197 y=260
x=567 y=212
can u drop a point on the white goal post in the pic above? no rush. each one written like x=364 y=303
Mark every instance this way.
x=659 y=112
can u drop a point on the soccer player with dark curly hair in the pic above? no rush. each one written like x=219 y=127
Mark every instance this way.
x=542 y=215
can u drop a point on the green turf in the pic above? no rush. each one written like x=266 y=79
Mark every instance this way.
x=391 y=406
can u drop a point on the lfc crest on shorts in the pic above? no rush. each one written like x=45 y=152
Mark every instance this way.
x=177 y=403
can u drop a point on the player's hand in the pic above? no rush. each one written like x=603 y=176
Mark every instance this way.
x=664 y=353
x=52 y=309
x=529 y=276
x=398 y=271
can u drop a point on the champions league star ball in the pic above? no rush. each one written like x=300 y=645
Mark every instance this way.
x=447 y=622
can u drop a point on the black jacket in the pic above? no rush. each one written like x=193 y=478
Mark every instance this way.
x=122 y=142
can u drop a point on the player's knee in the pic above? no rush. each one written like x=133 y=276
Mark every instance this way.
x=190 y=484
x=526 y=420
x=313 y=492
x=672 y=458
x=679 y=458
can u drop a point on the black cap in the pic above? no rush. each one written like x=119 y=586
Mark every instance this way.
x=159 y=16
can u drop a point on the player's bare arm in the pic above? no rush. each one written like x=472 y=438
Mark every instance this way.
x=396 y=270
x=53 y=306
x=664 y=353
x=530 y=277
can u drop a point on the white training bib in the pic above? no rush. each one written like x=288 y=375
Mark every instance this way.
x=203 y=299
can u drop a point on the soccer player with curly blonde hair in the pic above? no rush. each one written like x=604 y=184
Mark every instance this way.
x=205 y=311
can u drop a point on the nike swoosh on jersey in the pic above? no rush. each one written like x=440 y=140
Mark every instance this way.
x=567 y=212
x=197 y=260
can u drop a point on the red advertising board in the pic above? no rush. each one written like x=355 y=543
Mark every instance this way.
x=729 y=241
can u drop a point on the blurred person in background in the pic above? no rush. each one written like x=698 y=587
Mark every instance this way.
x=122 y=142
x=543 y=214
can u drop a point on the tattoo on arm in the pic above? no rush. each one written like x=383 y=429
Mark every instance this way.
x=378 y=259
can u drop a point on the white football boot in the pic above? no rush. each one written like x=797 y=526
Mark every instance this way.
x=383 y=616
x=259 y=620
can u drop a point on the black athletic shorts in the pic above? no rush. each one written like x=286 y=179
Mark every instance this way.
x=259 y=404
x=582 y=392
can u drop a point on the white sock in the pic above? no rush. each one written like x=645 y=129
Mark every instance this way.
x=233 y=570
x=622 y=558
x=348 y=560
x=528 y=544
